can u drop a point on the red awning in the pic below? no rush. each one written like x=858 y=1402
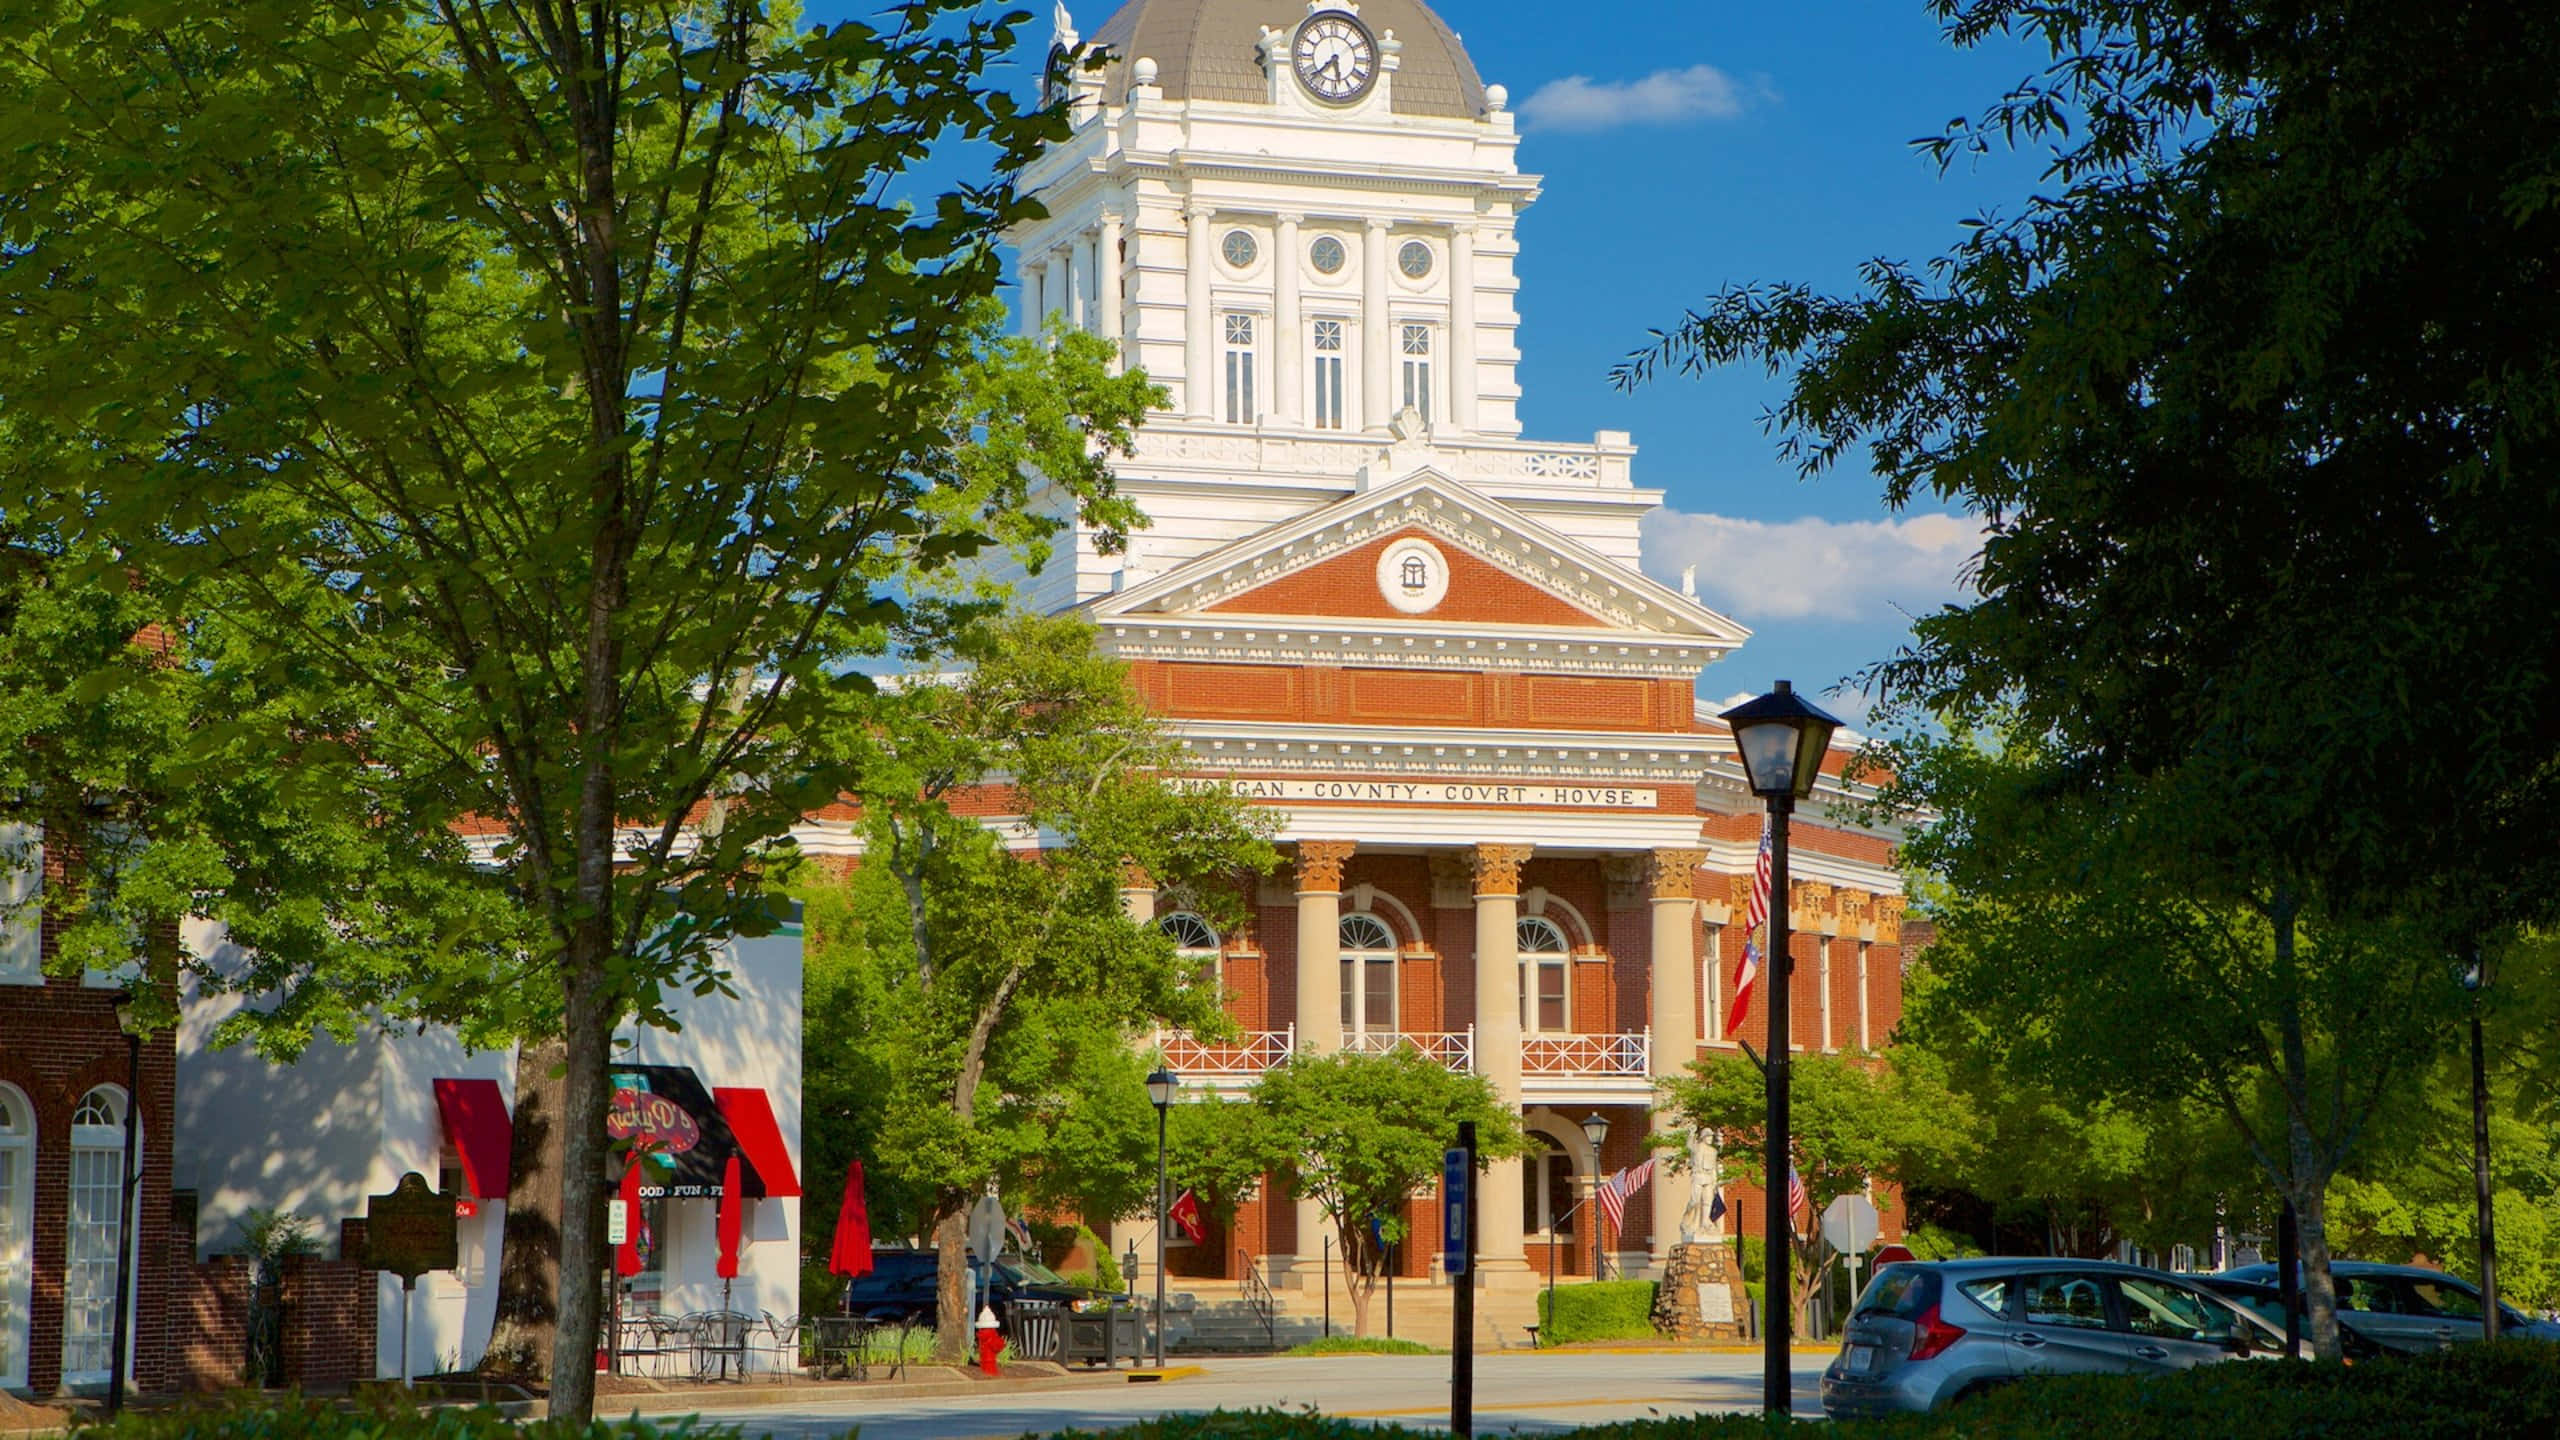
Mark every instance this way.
x=749 y=1112
x=475 y=1120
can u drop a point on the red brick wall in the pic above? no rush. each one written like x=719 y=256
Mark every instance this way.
x=212 y=1323
x=1324 y=694
x=1347 y=587
x=332 y=1312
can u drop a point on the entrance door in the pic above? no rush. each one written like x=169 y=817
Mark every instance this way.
x=96 y=1226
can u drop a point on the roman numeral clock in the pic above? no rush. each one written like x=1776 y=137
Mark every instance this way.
x=1336 y=57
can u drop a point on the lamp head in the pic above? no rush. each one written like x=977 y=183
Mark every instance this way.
x=1782 y=740
x=128 y=1014
x=1162 y=1086
x=1595 y=1128
x=2475 y=970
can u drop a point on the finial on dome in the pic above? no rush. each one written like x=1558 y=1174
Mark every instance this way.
x=1144 y=71
x=1497 y=98
x=1064 y=23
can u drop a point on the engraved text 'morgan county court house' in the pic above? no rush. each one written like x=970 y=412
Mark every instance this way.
x=1365 y=601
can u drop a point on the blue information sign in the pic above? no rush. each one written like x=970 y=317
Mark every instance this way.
x=1454 y=1179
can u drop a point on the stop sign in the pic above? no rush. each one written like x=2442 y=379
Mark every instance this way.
x=1893 y=1255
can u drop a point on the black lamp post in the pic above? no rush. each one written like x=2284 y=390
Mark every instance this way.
x=2475 y=979
x=1595 y=1128
x=1162 y=1086
x=130 y=1023
x=1782 y=741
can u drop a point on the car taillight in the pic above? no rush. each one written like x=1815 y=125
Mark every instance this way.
x=1935 y=1335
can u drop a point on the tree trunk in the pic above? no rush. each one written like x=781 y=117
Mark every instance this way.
x=953 y=1321
x=2310 y=1195
x=589 y=1019
x=529 y=1250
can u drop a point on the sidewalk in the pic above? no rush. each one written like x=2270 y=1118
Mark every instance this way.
x=921 y=1382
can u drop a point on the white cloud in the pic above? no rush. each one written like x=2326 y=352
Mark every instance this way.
x=1665 y=97
x=1814 y=569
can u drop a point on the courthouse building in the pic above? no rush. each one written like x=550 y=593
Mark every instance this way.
x=1520 y=845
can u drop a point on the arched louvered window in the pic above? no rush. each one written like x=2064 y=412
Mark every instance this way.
x=1368 y=978
x=1545 y=976
x=1197 y=940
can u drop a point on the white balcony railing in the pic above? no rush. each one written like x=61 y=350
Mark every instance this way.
x=1248 y=1054
x=1455 y=1049
x=1585 y=1054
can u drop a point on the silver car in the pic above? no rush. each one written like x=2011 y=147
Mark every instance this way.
x=1928 y=1334
x=2408 y=1308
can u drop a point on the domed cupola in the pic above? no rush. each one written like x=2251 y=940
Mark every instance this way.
x=1212 y=50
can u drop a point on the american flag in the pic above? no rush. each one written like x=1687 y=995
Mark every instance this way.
x=1615 y=1190
x=1799 y=1204
x=1753 y=919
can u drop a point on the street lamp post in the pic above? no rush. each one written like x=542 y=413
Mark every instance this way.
x=130 y=1023
x=1595 y=1128
x=1782 y=740
x=2475 y=979
x=1162 y=1086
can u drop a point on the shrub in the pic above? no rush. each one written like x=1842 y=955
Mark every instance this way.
x=1361 y=1345
x=1602 y=1310
x=377 y=1417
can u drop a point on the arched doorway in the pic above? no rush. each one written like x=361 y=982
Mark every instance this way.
x=17 y=1230
x=93 y=1232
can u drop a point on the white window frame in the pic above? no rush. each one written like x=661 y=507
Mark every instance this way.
x=1711 y=988
x=1416 y=362
x=1186 y=940
x=92 y=1139
x=1239 y=367
x=1356 y=959
x=1822 y=962
x=21 y=904
x=1533 y=963
x=1866 y=1030
x=17 y=1230
x=1331 y=373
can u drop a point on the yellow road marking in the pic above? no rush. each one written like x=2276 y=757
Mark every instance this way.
x=1483 y=1409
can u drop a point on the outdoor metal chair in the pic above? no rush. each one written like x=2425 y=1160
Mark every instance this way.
x=720 y=1344
x=782 y=1341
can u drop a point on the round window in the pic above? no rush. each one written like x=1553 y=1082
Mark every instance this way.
x=1240 y=249
x=1414 y=259
x=1326 y=255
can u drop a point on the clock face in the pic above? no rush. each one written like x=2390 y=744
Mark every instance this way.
x=1336 y=59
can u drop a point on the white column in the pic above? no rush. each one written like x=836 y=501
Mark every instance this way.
x=1675 y=1024
x=1499 y=1221
x=1319 y=1003
x=1199 y=384
x=1111 y=324
x=1377 y=343
x=1035 y=296
x=1462 y=328
x=1288 y=340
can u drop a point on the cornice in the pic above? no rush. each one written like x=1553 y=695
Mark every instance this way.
x=1406 y=645
x=1255 y=747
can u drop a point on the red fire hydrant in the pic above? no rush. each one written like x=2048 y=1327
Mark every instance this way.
x=990 y=1340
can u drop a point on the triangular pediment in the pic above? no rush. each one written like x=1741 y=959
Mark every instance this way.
x=1483 y=564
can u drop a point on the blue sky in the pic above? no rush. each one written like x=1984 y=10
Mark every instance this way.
x=1687 y=146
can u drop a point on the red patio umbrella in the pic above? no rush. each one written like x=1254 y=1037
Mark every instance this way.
x=732 y=1215
x=851 y=1256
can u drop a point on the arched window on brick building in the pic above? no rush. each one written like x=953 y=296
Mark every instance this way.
x=1546 y=977
x=17 y=1228
x=1196 y=940
x=1368 y=981
x=96 y=1225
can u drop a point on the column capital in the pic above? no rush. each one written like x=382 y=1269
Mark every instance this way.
x=1377 y=224
x=1498 y=868
x=1675 y=874
x=1320 y=865
x=1198 y=210
x=1289 y=217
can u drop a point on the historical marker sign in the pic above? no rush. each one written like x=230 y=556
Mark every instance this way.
x=411 y=1230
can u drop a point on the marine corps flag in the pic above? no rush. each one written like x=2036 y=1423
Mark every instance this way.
x=1185 y=1216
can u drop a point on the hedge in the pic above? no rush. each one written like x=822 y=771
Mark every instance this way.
x=1601 y=1310
x=2509 y=1388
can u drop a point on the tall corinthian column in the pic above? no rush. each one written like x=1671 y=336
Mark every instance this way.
x=1499 y=1221
x=1319 y=1004
x=1675 y=1024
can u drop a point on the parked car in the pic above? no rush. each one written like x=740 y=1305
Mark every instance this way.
x=900 y=1289
x=2262 y=1299
x=1928 y=1334
x=2407 y=1308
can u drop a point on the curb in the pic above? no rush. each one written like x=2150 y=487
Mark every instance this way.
x=687 y=1402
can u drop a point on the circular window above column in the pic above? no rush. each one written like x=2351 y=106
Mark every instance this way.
x=1240 y=248
x=1413 y=575
x=1327 y=255
x=1414 y=259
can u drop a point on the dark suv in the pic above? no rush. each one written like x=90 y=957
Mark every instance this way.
x=900 y=1287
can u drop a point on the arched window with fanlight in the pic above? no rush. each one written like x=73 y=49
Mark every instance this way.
x=1545 y=977
x=1368 y=977
x=1196 y=941
x=17 y=1230
x=93 y=1229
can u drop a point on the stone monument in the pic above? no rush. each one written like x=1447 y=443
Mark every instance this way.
x=1701 y=1295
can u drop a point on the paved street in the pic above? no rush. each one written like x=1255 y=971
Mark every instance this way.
x=1529 y=1394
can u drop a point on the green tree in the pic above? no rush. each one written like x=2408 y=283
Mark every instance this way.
x=2253 y=399
x=1004 y=805
x=1856 y=1120
x=1360 y=1134
x=175 y=774
x=583 y=382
